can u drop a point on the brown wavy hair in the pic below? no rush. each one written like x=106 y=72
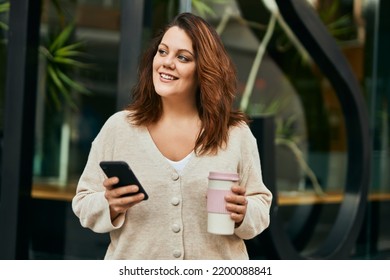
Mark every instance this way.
x=216 y=91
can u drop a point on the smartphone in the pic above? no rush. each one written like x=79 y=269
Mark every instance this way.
x=124 y=173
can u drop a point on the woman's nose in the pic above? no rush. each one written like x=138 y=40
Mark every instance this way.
x=168 y=62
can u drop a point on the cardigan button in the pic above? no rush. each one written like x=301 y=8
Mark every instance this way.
x=175 y=228
x=175 y=201
x=177 y=253
x=175 y=176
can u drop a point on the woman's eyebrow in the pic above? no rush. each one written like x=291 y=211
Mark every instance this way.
x=180 y=50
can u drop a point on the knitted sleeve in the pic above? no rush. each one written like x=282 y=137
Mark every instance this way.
x=259 y=197
x=89 y=203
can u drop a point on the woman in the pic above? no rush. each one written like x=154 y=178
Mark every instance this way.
x=179 y=127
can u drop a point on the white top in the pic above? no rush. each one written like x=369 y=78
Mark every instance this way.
x=179 y=165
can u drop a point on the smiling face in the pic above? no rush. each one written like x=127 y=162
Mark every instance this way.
x=174 y=67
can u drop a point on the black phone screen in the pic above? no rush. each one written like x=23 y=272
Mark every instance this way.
x=124 y=173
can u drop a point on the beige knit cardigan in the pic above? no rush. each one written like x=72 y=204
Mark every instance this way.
x=172 y=223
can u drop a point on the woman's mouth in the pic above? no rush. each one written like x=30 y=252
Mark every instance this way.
x=167 y=77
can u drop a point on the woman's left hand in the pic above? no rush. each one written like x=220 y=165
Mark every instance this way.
x=237 y=204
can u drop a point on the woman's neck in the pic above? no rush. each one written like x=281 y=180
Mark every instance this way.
x=179 y=112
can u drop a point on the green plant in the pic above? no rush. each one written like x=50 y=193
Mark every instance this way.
x=61 y=57
x=4 y=9
x=202 y=7
x=340 y=26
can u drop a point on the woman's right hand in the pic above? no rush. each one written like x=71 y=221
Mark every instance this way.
x=117 y=202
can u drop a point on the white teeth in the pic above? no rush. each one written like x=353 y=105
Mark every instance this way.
x=167 y=77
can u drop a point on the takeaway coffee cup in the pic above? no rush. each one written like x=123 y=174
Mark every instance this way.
x=218 y=220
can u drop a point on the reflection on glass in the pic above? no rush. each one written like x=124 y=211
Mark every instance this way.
x=275 y=75
x=278 y=77
x=76 y=88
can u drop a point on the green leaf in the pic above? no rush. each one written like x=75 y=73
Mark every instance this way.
x=70 y=62
x=64 y=51
x=62 y=38
x=63 y=90
x=65 y=54
x=4 y=7
x=202 y=8
x=56 y=80
x=76 y=86
x=3 y=26
x=54 y=97
x=45 y=52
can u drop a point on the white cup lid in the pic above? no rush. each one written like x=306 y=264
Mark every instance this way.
x=223 y=176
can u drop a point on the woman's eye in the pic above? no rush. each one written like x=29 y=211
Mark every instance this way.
x=183 y=58
x=162 y=52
